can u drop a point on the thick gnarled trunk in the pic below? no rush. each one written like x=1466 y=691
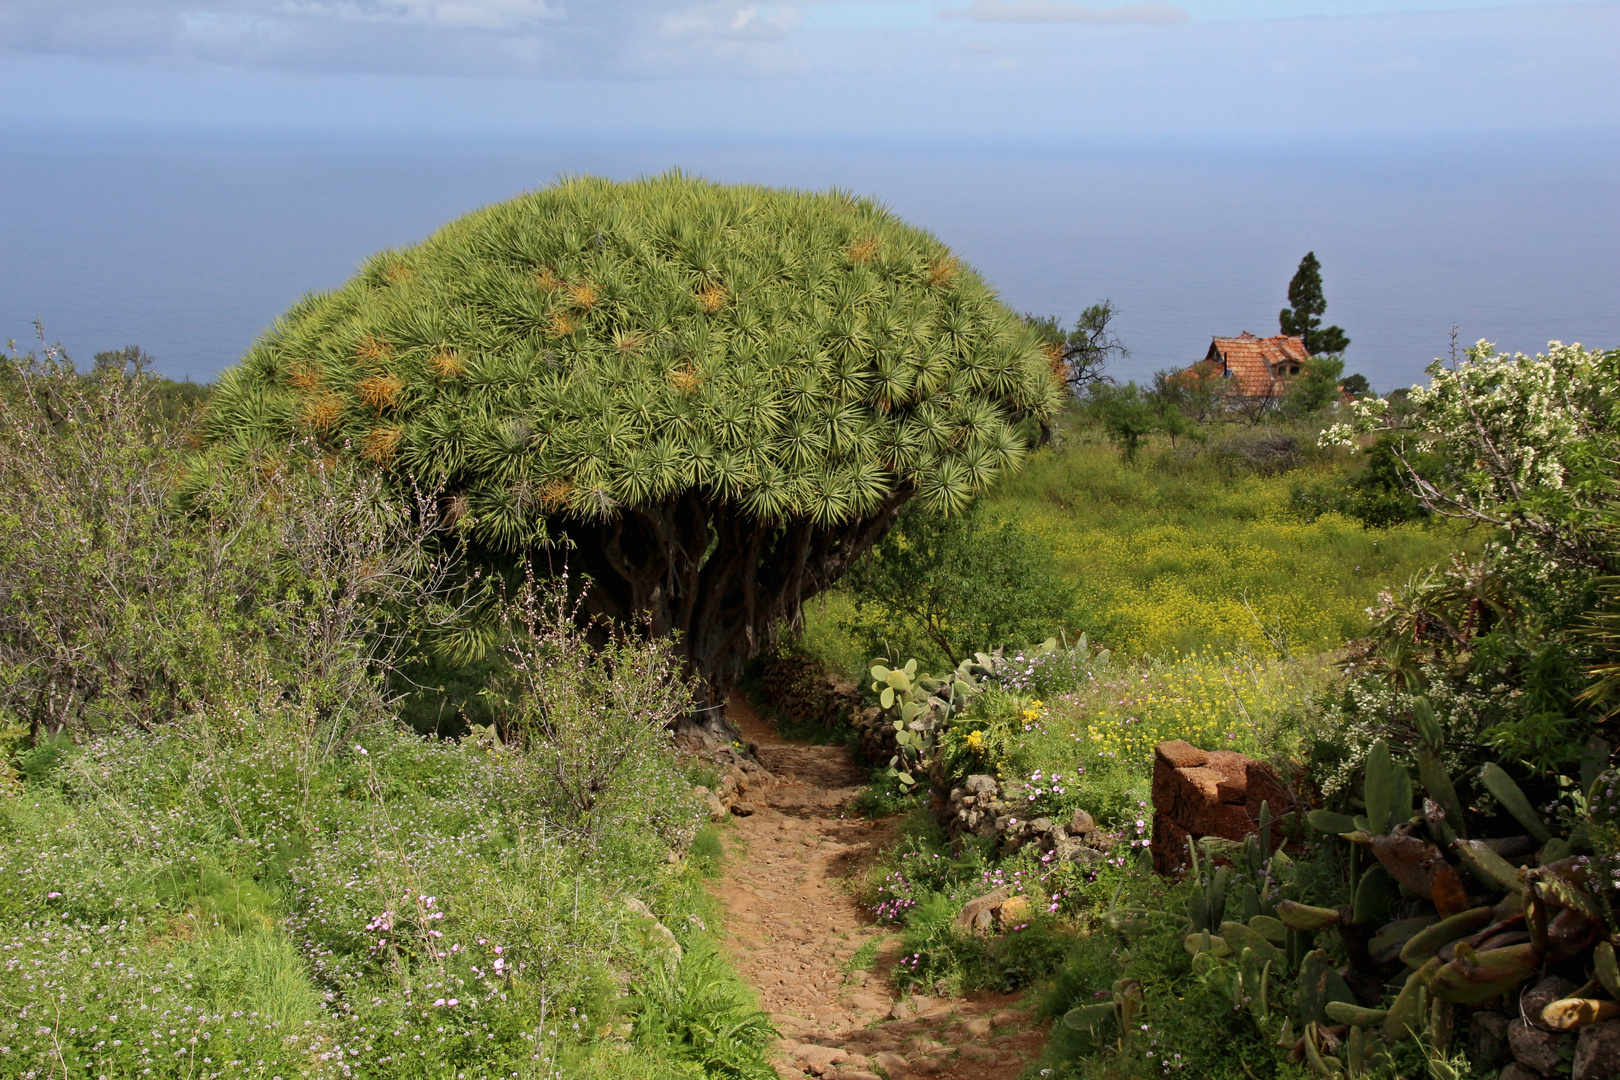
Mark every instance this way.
x=716 y=578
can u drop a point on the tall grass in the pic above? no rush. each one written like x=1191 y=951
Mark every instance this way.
x=1190 y=550
x=1181 y=553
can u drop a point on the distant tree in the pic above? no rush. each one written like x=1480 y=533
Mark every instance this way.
x=1200 y=392
x=1080 y=356
x=173 y=405
x=1171 y=400
x=1173 y=422
x=1303 y=317
x=1127 y=415
x=1356 y=386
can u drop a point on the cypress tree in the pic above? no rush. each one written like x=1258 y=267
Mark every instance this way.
x=1303 y=317
x=718 y=396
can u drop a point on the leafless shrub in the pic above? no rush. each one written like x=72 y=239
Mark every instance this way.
x=140 y=583
x=595 y=719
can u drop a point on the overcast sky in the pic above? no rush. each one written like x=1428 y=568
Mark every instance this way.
x=966 y=68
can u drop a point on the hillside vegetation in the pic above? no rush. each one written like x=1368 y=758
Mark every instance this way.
x=1471 y=714
x=1193 y=549
x=227 y=849
x=222 y=853
x=1217 y=546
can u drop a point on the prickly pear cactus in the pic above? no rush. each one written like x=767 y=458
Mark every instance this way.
x=1123 y=1009
x=1501 y=910
x=919 y=706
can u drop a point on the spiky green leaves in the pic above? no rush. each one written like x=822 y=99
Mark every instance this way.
x=596 y=345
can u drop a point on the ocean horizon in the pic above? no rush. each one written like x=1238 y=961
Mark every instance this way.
x=189 y=242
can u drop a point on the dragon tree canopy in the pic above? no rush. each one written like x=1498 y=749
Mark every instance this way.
x=719 y=394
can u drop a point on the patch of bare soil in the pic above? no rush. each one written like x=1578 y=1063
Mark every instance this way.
x=795 y=927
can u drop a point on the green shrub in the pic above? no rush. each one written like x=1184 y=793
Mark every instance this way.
x=942 y=588
x=1502 y=643
x=937 y=958
x=1126 y=415
x=1185 y=1026
x=219 y=853
x=922 y=884
x=270 y=597
x=885 y=795
x=593 y=717
x=1317 y=387
x=700 y=773
x=1377 y=495
x=1051 y=669
x=933 y=956
x=697 y=1011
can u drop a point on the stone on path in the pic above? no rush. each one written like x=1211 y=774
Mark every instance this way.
x=906 y=1008
x=869 y=1003
x=822 y=1056
x=891 y=1062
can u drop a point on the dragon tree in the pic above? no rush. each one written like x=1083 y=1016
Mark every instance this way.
x=719 y=395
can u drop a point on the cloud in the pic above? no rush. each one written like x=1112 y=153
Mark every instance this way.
x=451 y=14
x=751 y=22
x=1151 y=13
x=633 y=39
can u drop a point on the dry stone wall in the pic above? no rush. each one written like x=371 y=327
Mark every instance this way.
x=983 y=808
x=1524 y=1046
x=803 y=689
x=1208 y=793
x=799 y=687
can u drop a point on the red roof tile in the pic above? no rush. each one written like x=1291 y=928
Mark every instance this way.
x=1259 y=364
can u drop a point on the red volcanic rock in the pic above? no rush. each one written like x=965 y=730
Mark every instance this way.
x=1207 y=793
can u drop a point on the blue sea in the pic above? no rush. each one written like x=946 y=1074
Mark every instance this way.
x=189 y=243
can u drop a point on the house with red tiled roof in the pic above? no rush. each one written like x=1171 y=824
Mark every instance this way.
x=1260 y=367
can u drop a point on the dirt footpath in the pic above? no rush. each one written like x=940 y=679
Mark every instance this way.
x=795 y=928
